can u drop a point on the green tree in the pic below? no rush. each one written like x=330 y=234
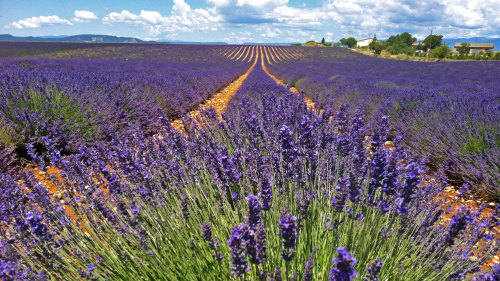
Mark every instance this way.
x=376 y=46
x=432 y=41
x=464 y=49
x=350 y=42
x=323 y=41
x=441 y=52
x=403 y=39
x=400 y=44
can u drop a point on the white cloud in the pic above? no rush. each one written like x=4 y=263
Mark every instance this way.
x=36 y=22
x=219 y=3
x=463 y=16
x=262 y=4
x=182 y=18
x=84 y=16
x=451 y=18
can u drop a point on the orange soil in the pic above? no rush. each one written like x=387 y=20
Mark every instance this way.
x=309 y=102
x=220 y=100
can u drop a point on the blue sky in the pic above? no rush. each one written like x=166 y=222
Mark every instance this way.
x=238 y=21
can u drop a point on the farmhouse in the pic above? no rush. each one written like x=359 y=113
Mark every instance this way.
x=475 y=48
x=364 y=42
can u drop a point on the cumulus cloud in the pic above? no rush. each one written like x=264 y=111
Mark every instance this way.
x=183 y=18
x=84 y=16
x=36 y=22
x=452 y=18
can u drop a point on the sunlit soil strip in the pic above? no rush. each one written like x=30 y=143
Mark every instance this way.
x=220 y=51
x=284 y=54
x=242 y=53
x=265 y=49
x=229 y=53
x=235 y=50
x=309 y=102
x=450 y=195
x=273 y=56
x=238 y=51
x=254 y=52
x=248 y=51
x=219 y=101
x=229 y=50
x=279 y=55
x=294 y=54
x=224 y=51
x=276 y=55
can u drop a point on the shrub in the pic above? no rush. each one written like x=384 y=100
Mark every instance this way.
x=441 y=52
x=26 y=117
x=376 y=46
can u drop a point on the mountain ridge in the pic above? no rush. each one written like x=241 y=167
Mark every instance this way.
x=81 y=38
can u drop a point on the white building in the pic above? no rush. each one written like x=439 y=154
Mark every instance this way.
x=364 y=42
x=475 y=48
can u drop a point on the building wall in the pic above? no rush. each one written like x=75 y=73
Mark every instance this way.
x=476 y=51
x=472 y=50
x=364 y=43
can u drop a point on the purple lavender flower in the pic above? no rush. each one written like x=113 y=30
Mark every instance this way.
x=253 y=210
x=342 y=188
x=35 y=221
x=239 y=264
x=373 y=270
x=383 y=207
x=248 y=235
x=277 y=274
x=207 y=231
x=308 y=271
x=235 y=196
x=457 y=224
x=288 y=235
x=409 y=187
x=185 y=206
x=344 y=266
x=266 y=193
x=303 y=201
x=261 y=243
x=218 y=254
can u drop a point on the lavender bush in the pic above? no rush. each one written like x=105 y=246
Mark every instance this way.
x=224 y=203
x=80 y=101
x=448 y=112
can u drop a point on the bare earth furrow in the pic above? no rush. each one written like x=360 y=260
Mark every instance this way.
x=219 y=101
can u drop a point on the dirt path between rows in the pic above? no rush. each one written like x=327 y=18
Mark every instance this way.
x=220 y=100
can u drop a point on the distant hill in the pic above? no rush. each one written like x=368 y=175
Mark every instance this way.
x=82 y=38
x=451 y=42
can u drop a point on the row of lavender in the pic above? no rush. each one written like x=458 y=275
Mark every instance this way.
x=446 y=112
x=23 y=49
x=276 y=192
x=78 y=101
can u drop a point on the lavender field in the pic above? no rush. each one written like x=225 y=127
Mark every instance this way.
x=97 y=184
x=448 y=113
